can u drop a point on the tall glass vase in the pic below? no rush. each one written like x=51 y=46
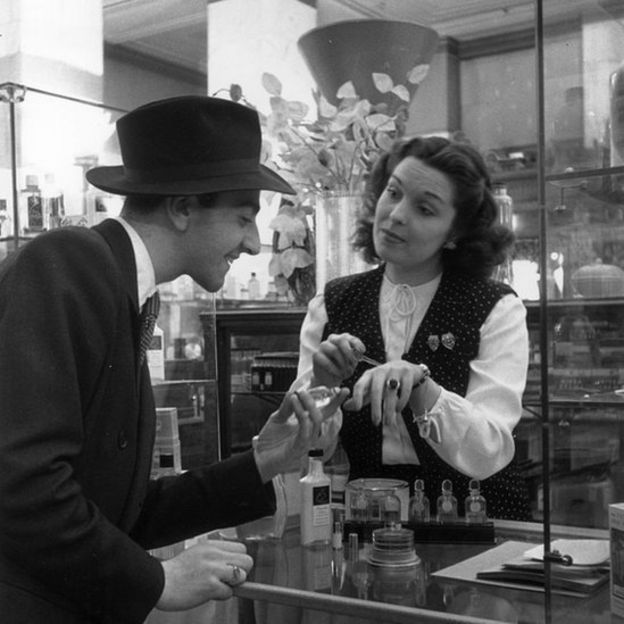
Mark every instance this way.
x=335 y=219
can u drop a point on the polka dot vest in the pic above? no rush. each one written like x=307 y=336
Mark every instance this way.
x=447 y=340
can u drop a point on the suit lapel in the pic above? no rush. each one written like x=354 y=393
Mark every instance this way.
x=121 y=246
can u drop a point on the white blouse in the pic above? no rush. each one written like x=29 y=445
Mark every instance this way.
x=471 y=433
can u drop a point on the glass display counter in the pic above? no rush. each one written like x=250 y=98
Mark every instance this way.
x=294 y=585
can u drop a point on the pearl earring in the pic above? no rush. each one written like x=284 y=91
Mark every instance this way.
x=450 y=245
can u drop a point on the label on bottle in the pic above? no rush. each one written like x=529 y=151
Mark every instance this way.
x=35 y=212
x=320 y=505
x=155 y=355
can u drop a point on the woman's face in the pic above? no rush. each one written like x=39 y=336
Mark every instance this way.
x=413 y=220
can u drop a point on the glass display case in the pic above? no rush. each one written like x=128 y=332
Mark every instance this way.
x=543 y=102
x=47 y=142
x=256 y=361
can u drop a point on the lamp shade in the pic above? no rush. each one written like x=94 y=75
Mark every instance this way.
x=354 y=49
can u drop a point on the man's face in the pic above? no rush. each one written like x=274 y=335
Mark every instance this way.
x=219 y=234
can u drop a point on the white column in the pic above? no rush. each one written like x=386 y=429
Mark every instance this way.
x=53 y=45
x=249 y=37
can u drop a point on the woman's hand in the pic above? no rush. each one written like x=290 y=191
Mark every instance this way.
x=296 y=427
x=387 y=388
x=336 y=359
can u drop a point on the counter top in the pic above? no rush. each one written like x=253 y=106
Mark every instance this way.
x=288 y=582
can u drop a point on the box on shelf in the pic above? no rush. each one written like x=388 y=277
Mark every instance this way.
x=274 y=372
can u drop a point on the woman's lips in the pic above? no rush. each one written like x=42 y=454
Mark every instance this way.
x=392 y=236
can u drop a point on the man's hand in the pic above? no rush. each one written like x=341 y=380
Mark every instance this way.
x=293 y=430
x=206 y=571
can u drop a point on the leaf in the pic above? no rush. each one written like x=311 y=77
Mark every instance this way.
x=378 y=122
x=402 y=92
x=342 y=121
x=347 y=90
x=271 y=84
x=417 y=74
x=297 y=111
x=279 y=105
x=384 y=141
x=383 y=82
x=363 y=108
x=326 y=109
x=294 y=259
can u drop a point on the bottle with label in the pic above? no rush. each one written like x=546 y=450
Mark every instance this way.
x=504 y=271
x=447 y=504
x=338 y=470
x=36 y=220
x=475 y=505
x=155 y=355
x=315 y=517
x=52 y=201
x=166 y=456
x=419 y=507
x=253 y=287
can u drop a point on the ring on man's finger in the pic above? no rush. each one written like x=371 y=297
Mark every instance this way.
x=393 y=384
x=237 y=574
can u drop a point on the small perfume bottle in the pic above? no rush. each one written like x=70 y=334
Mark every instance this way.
x=447 y=504
x=358 y=506
x=475 y=504
x=419 y=508
x=390 y=510
x=322 y=395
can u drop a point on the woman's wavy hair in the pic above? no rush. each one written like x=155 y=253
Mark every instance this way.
x=481 y=243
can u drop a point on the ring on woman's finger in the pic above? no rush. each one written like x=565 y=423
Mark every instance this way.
x=237 y=574
x=393 y=384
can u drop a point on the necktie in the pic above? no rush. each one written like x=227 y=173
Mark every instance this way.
x=149 y=314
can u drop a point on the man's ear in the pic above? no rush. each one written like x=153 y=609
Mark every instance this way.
x=178 y=210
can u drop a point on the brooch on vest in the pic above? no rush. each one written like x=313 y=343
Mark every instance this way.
x=446 y=340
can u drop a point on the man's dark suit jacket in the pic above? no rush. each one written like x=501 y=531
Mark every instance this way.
x=77 y=509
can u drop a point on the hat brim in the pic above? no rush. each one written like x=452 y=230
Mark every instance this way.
x=114 y=180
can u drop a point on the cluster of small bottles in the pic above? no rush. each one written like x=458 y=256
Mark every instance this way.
x=475 y=506
x=386 y=506
x=322 y=513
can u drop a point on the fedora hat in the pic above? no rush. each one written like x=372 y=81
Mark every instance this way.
x=188 y=145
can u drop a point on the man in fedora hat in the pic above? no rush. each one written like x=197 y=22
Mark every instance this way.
x=77 y=507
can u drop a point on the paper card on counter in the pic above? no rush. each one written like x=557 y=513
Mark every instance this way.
x=584 y=552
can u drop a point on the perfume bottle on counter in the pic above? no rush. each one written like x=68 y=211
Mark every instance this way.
x=419 y=506
x=316 y=517
x=475 y=504
x=447 y=504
